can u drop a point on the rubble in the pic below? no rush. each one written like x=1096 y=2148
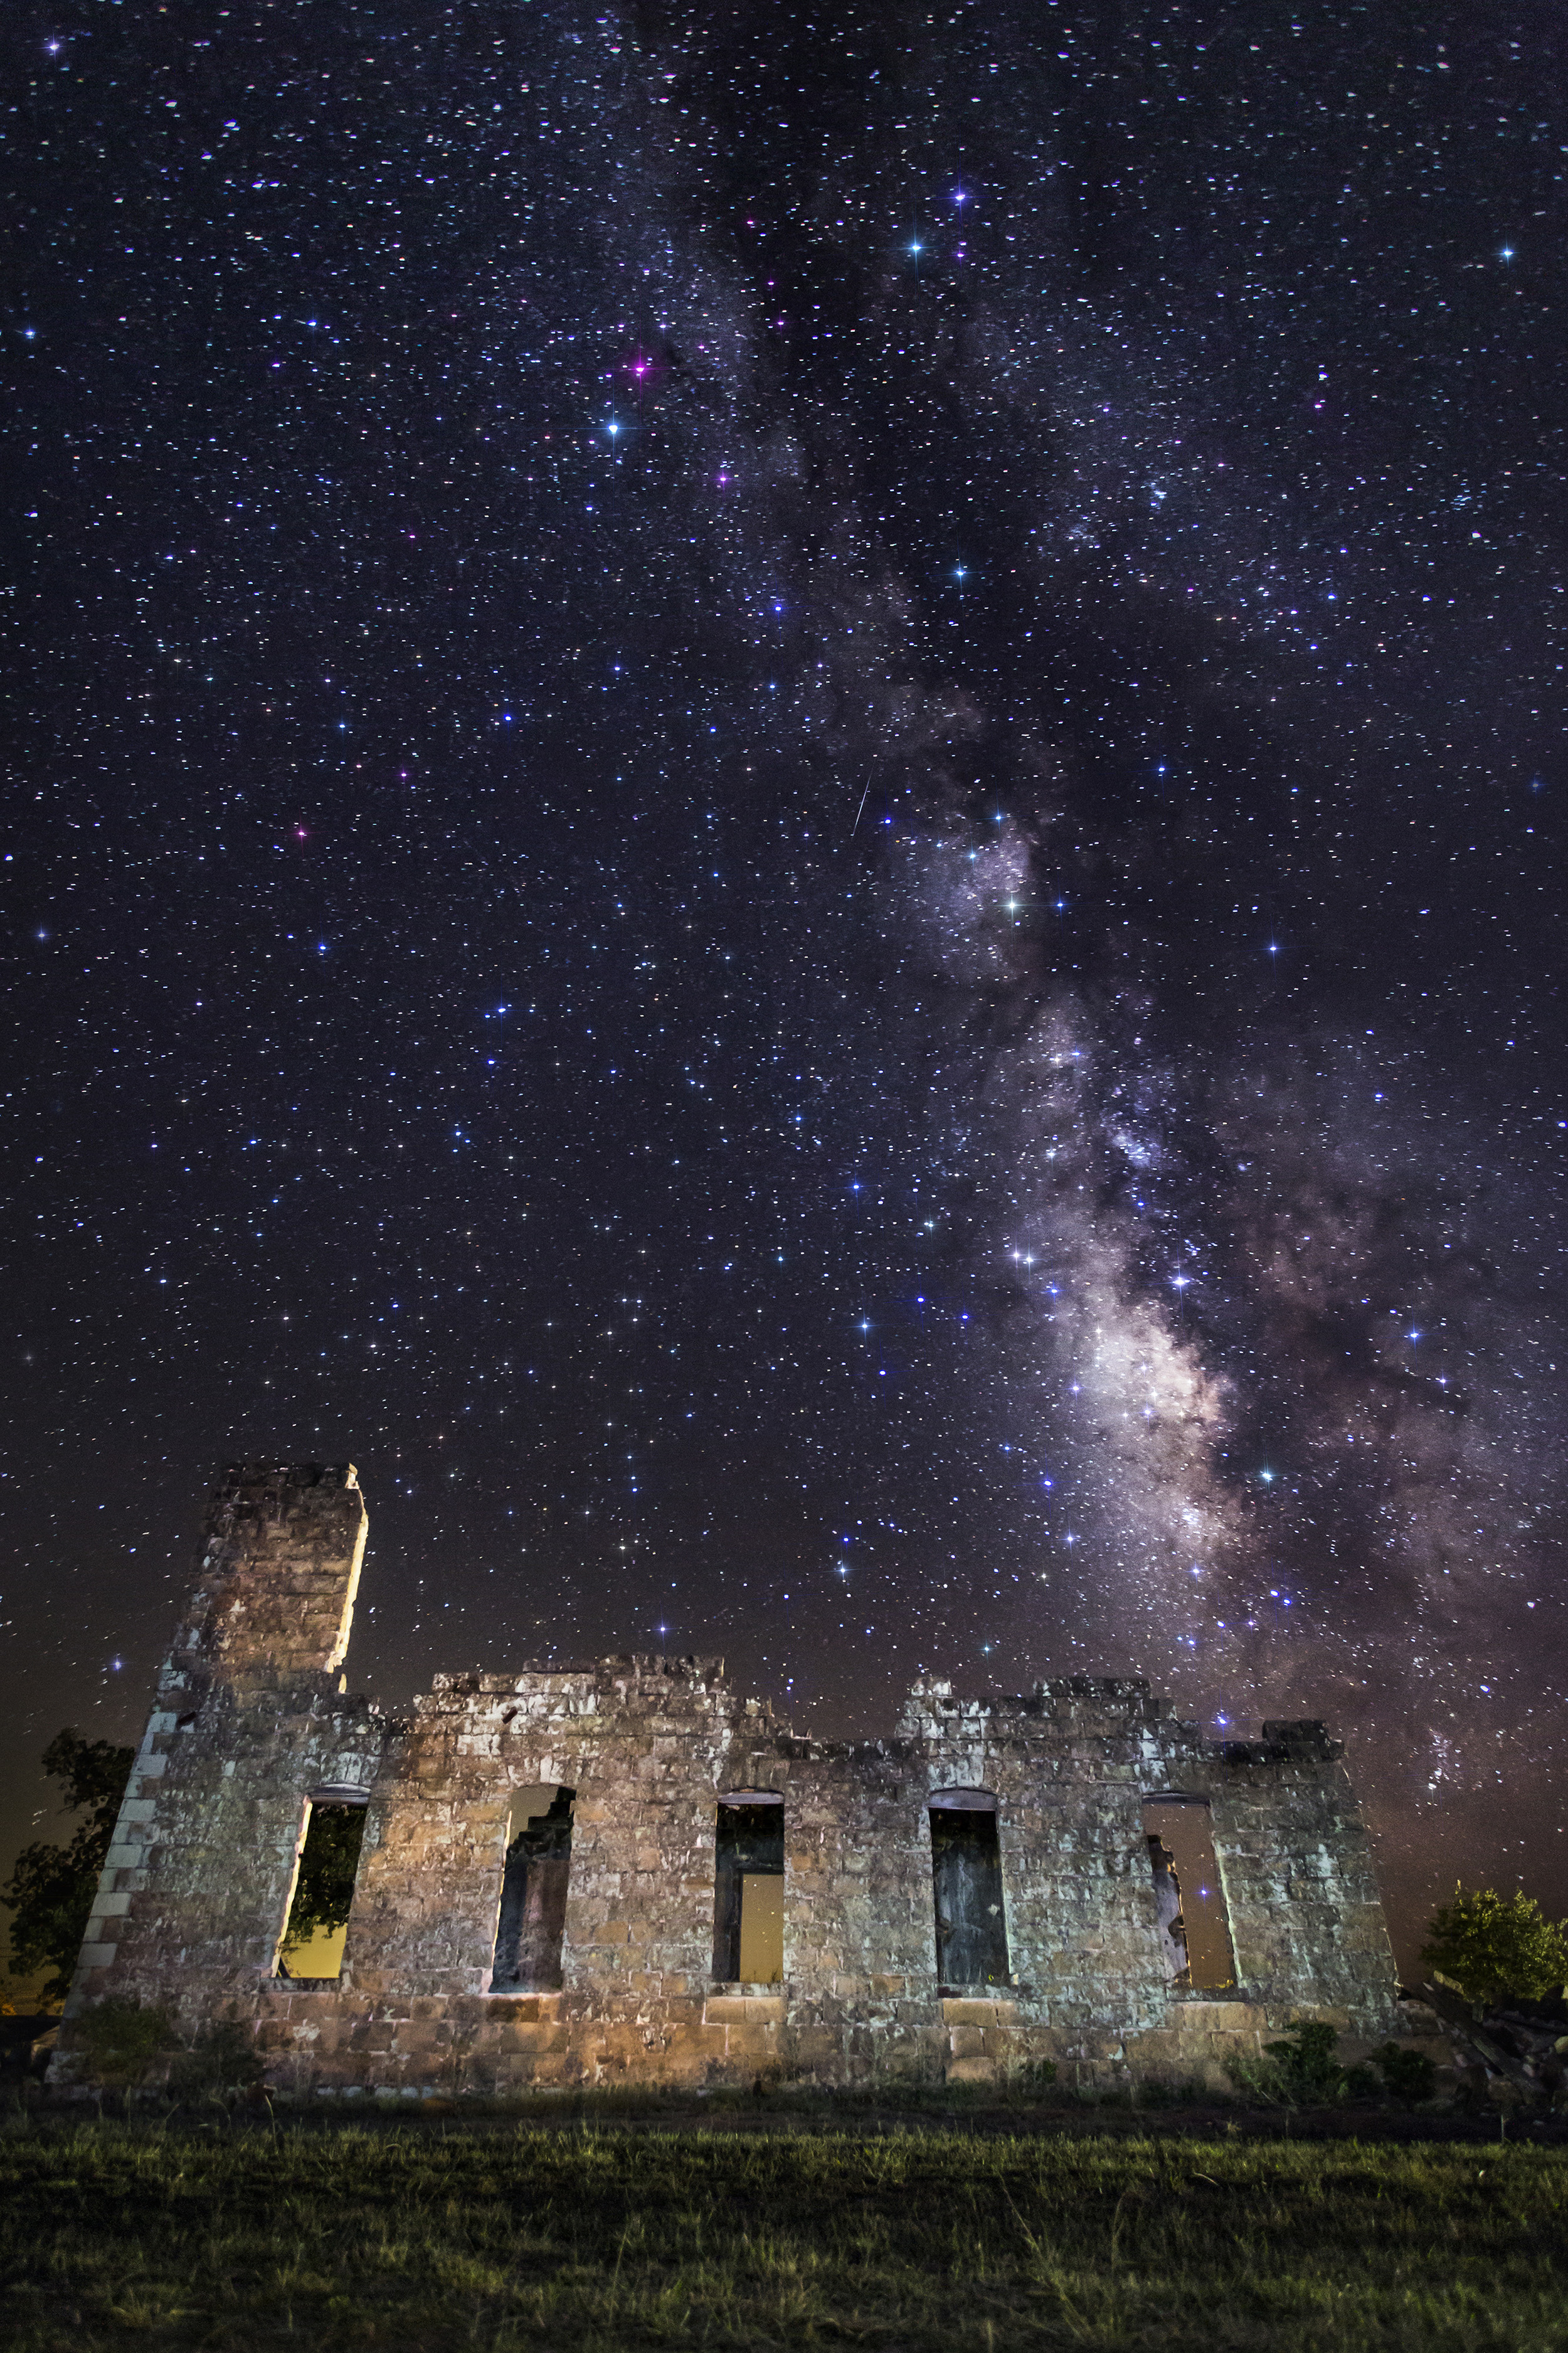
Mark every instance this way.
x=1516 y=2054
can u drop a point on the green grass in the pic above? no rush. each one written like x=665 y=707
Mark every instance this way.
x=907 y=2241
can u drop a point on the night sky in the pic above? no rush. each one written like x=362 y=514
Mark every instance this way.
x=789 y=824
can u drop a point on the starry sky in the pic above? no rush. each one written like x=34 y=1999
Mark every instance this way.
x=787 y=821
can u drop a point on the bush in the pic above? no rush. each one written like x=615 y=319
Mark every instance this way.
x=1304 y=2070
x=218 y=2064
x=1489 y=1947
x=1307 y=2067
x=120 y=2041
x=1408 y=2075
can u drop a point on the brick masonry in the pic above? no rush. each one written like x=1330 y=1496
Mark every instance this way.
x=252 y=1719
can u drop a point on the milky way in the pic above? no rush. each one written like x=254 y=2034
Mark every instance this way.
x=788 y=828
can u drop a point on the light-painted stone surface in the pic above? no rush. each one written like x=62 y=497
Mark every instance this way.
x=251 y=1719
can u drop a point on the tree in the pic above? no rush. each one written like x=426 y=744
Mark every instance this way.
x=1489 y=1947
x=50 y=1891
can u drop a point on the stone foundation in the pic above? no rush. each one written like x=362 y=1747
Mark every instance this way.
x=252 y=1723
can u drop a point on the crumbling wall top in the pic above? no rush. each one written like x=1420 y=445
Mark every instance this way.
x=250 y=1487
x=285 y=1542
x=1306 y=1739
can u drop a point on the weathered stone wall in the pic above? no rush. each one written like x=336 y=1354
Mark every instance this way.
x=250 y=1721
x=1295 y=1865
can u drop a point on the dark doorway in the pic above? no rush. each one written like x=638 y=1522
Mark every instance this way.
x=966 y=1870
x=1195 y=1924
x=533 y=1892
x=748 y=1889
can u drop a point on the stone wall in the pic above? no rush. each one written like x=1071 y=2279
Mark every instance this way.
x=250 y=1718
x=251 y=1721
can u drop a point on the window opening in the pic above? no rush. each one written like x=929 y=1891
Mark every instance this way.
x=748 y=1888
x=1168 y=1905
x=966 y=1872
x=532 y=1917
x=317 y=1921
x=1194 y=1926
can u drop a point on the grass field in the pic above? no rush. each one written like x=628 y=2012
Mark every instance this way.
x=906 y=2242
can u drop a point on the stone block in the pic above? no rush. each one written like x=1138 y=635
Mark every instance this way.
x=971 y=2068
x=959 y=2010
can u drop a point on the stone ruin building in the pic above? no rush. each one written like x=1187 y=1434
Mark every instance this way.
x=624 y=1870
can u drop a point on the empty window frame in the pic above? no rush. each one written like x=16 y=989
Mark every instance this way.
x=331 y=1837
x=967 y=1874
x=1194 y=1926
x=748 y=1888
x=532 y=1920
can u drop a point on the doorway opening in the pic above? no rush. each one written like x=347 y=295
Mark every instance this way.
x=316 y=1930
x=967 y=1874
x=748 y=1888
x=1195 y=1924
x=532 y=1921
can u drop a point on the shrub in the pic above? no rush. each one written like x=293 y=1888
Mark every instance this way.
x=1303 y=2071
x=1489 y=1947
x=120 y=2041
x=1408 y=2075
x=218 y=2064
x=1307 y=2067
